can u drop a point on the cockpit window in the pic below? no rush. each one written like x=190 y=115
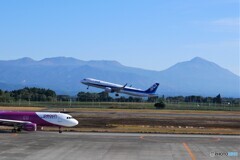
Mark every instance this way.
x=69 y=117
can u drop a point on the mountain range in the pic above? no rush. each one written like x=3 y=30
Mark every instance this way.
x=63 y=74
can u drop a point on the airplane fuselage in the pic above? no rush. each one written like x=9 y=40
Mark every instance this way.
x=112 y=87
x=36 y=119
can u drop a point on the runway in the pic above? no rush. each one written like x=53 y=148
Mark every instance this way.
x=116 y=146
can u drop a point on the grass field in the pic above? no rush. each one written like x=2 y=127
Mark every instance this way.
x=127 y=105
x=21 y=108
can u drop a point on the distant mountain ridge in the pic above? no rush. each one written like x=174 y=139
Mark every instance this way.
x=201 y=76
x=63 y=74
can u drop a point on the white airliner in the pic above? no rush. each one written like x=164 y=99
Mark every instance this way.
x=30 y=121
x=117 y=88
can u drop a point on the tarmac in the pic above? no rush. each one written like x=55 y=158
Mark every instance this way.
x=116 y=146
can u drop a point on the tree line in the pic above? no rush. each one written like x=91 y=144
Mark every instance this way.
x=104 y=97
x=41 y=94
x=28 y=94
x=196 y=99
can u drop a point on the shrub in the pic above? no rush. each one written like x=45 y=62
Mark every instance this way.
x=160 y=105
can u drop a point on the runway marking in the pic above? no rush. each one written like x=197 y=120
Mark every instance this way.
x=217 y=139
x=14 y=135
x=189 y=151
x=148 y=139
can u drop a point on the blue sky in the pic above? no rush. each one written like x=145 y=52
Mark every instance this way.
x=150 y=34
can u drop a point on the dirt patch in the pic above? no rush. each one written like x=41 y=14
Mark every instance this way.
x=103 y=122
x=21 y=108
x=148 y=122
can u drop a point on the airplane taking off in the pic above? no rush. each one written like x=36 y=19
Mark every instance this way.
x=111 y=88
x=30 y=121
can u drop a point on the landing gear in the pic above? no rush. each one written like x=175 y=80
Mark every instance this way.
x=60 y=130
x=16 y=129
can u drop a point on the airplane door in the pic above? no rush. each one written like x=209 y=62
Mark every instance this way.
x=59 y=119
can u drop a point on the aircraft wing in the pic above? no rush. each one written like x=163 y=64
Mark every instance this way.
x=118 y=89
x=9 y=122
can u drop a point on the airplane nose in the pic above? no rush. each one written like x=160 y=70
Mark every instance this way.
x=83 y=81
x=75 y=122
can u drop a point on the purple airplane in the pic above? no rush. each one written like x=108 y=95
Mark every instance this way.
x=30 y=121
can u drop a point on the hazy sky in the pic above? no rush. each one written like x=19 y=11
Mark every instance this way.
x=151 y=34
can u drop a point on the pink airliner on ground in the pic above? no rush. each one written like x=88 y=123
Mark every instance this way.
x=30 y=121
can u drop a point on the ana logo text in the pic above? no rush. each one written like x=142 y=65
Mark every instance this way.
x=50 y=116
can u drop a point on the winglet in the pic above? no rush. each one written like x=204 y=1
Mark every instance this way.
x=124 y=85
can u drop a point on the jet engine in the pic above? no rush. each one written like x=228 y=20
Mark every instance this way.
x=109 y=90
x=29 y=127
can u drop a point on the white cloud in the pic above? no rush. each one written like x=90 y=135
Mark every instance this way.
x=229 y=22
x=216 y=45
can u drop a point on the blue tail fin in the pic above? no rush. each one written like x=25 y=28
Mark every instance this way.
x=153 y=88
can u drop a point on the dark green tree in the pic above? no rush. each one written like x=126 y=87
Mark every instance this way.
x=217 y=99
x=33 y=94
x=160 y=104
x=104 y=97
